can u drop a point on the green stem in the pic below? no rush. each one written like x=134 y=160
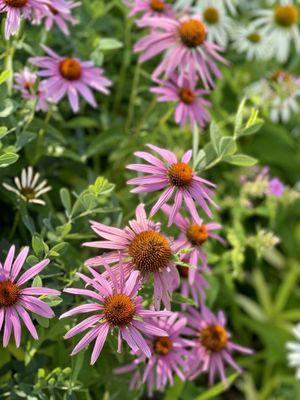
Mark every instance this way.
x=10 y=51
x=40 y=137
x=15 y=225
x=133 y=94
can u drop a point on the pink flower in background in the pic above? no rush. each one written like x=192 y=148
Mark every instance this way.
x=176 y=178
x=169 y=355
x=17 y=9
x=144 y=249
x=213 y=347
x=116 y=305
x=190 y=105
x=276 y=187
x=15 y=299
x=25 y=83
x=185 y=48
x=149 y=8
x=193 y=236
x=59 y=14
x=71 y=77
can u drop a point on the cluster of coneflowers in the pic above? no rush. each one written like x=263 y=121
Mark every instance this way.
x=186 y=342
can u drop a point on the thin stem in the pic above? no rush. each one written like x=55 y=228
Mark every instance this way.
x=15 y=225
x=10 y=51
x=41 y=134
x=133 y=94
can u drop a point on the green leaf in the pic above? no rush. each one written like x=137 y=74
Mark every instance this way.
x=37 y=282
x=4 y=76
x=215 y=136
x=44 y=322
x=239 y=118
x=109 y=44
x=8 y=159
x=3 y=132
x=180 y=299
x=174 y=392
x=66 y=200
x=37 y=245
x=218 y=388
x=241 y=160
x=7 y=108
x=227 y=146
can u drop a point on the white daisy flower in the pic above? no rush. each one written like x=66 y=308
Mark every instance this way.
x=277 y=95
x=249 y=40
x=218 y=23
x=280 y=24
x=294 y=351
x=28 y=187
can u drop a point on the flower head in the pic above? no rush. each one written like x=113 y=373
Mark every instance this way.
x=186 y=49
x=190 y=105
x=276 y=187
x=219 y=24
x=169 y=354
x=212 y=345
x=149 y=8
x=280 y=25
x=144 y=249
x=15 y=299
x=59 y=13
x=26 y=84
x=28 y=187
x=17 y=9
x=70 y=76
x=294 y=351
x=116 y=306
x=251 y=41
x=177 y=178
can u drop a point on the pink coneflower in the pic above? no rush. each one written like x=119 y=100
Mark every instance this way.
x=186 y=49
x=59 y=14
x=149 y=8
x=116 y=305
x=17 y=9
x=190 y=105
x=193 y=236
x=25 y=83
x=177 y=178
x=213 y=347
x=70 y=76
x=144 y=249
x=168 y=358
x=16 y=299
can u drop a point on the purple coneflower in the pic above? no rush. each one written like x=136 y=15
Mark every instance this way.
x=59 y=14
x=144 y=249
x=213 y=347
x=149 y=8
x=169 y=355
x=193 y=236
x=116 y=304
x=25 y=83
x=177 y=178
x=190 y=105
x=187 y=50
x=17 y=9
x=15 y=299
x=70 y=76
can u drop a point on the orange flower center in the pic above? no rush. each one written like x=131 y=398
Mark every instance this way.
x=281 y=75
x=70 y=69
x=254 y=37
x=197 y=234
x=213 y=338
x=150 y=252
x=119 y=309
x=187 y=96
x=211 y=15
x=53 y=10
x=9 y=293
x=183 y=271
x=28 y=193
x=192 y=33
x=162 y=345
x=180 y=174
x=157 y=5
x=286 y=15
x=16 y=3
